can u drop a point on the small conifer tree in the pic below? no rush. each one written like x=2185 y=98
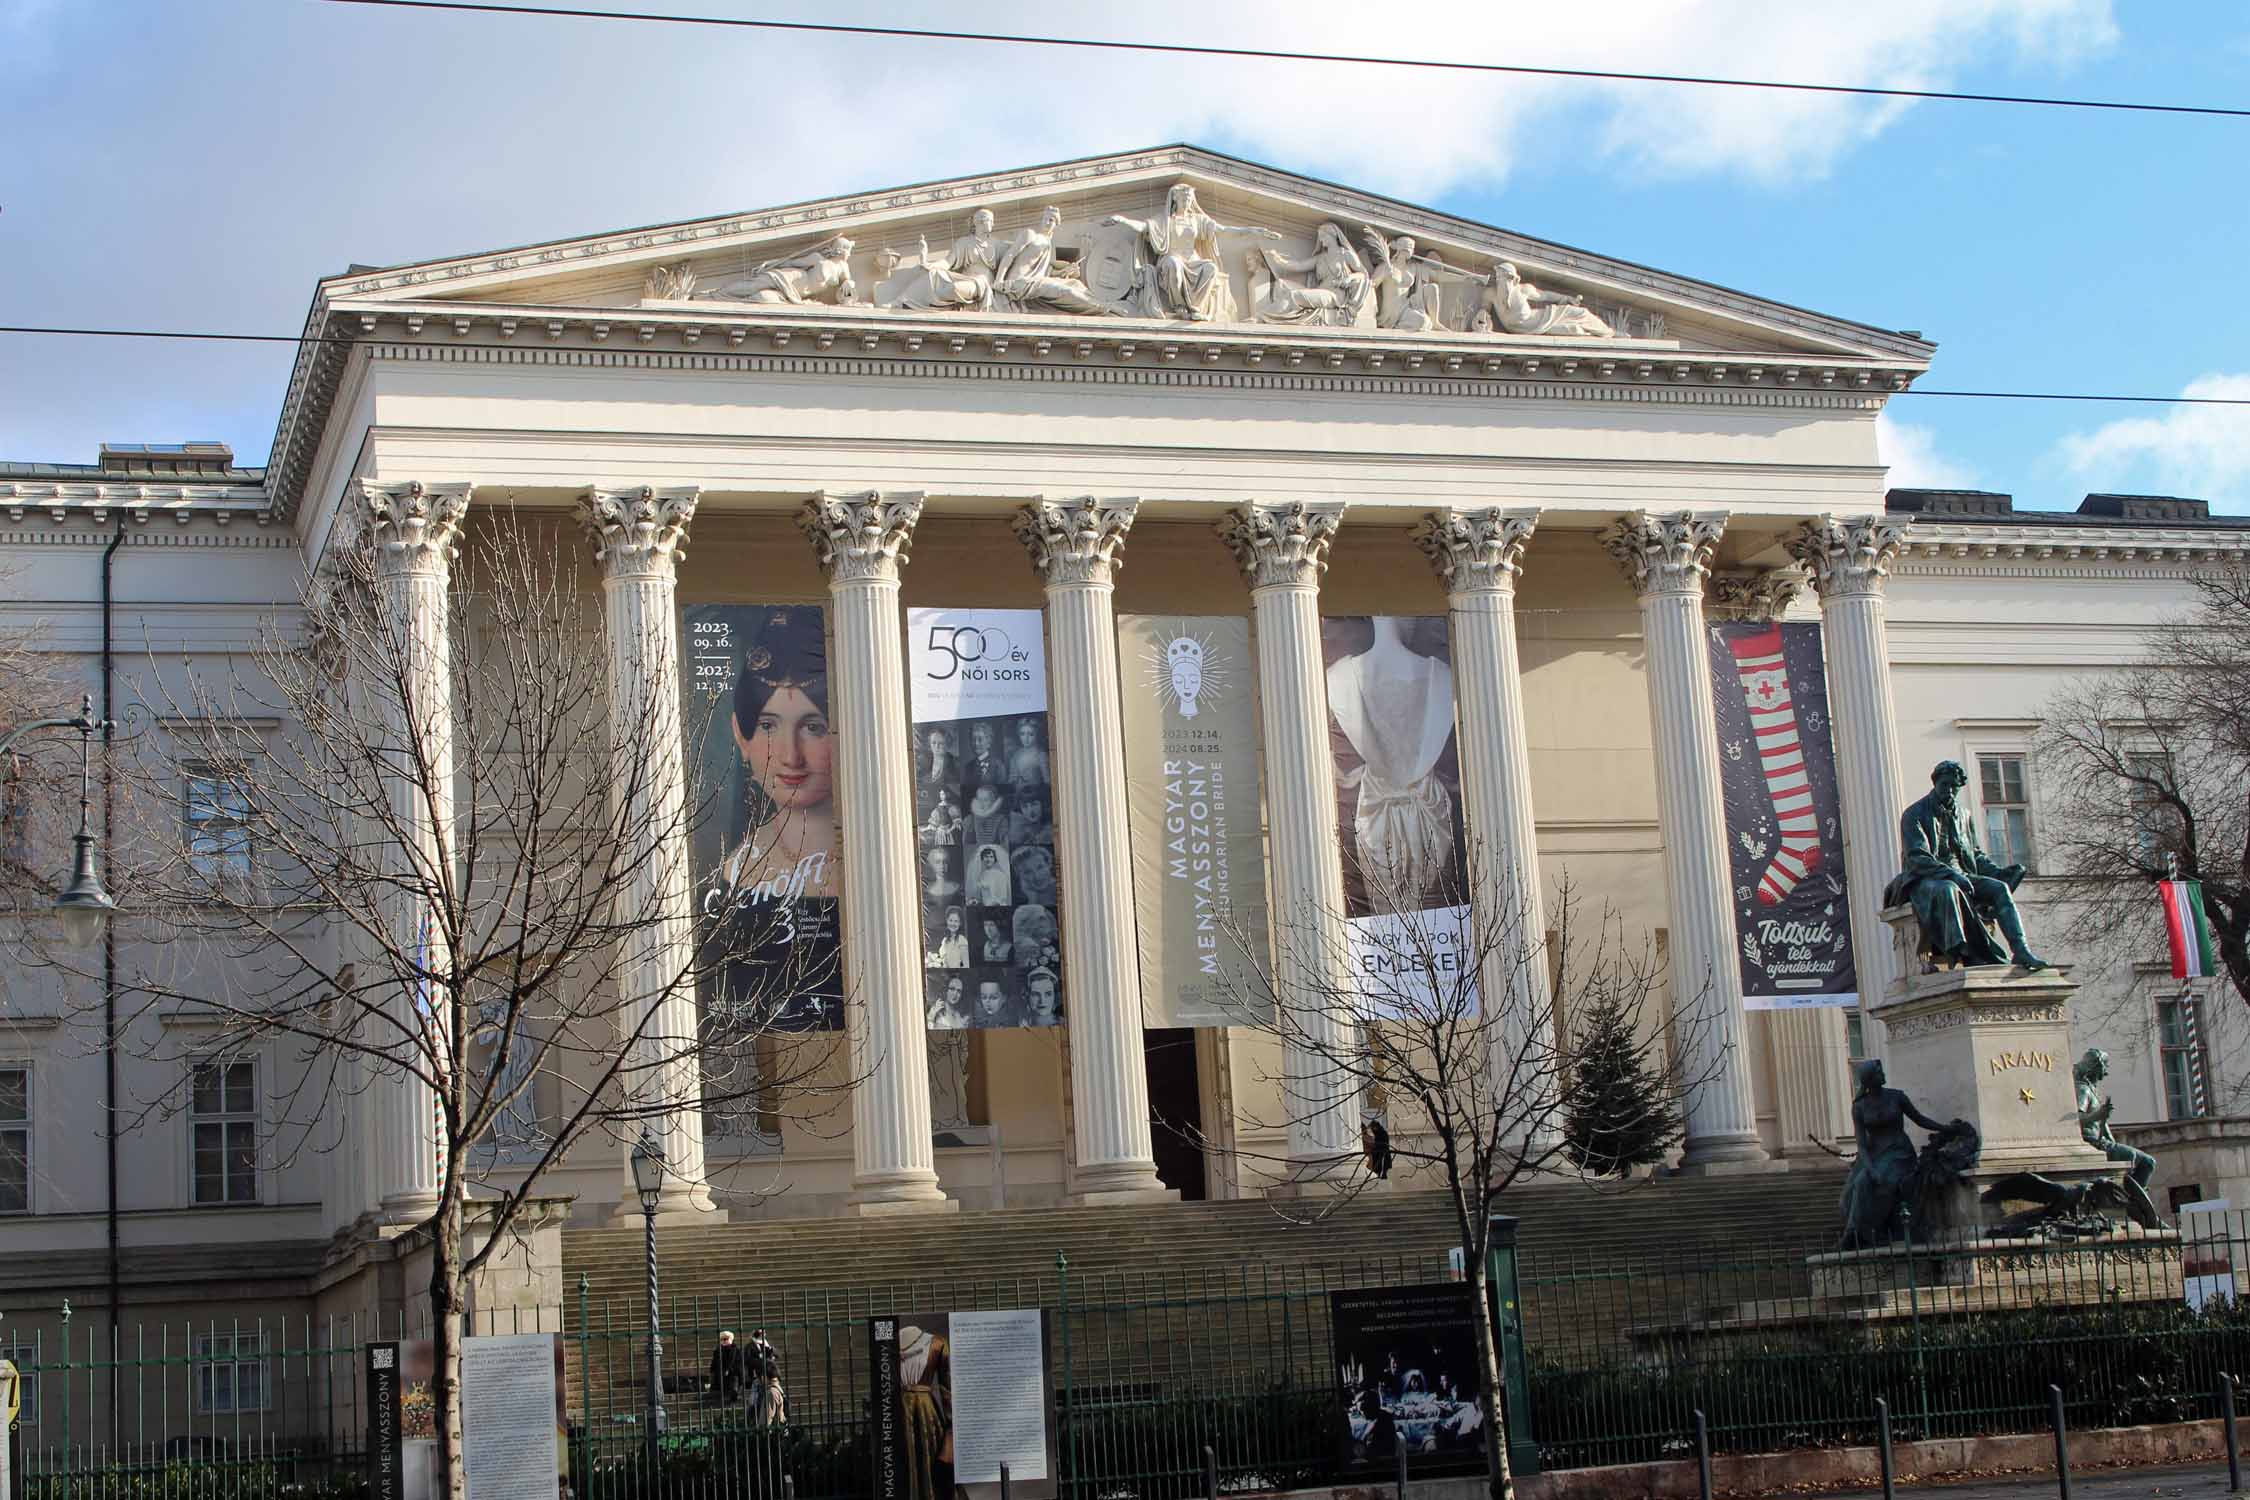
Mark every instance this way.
x=1621 y=1112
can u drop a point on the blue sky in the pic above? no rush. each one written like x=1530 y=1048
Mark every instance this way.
x=200 y=166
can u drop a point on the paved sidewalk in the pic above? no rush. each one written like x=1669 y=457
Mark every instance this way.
x=2183 y=1482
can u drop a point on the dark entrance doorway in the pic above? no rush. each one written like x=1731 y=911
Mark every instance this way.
x=1175 y=1108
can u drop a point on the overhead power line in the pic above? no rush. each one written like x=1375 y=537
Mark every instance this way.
x=293 y=338
x=1182 y=49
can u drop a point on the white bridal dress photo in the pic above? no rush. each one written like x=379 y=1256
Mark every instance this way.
x=1396 y=709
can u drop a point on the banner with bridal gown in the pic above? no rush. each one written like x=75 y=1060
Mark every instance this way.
x=761 y=788
x=1398 y=807
x=984 y=818
x=1191 y=789
x=1777 y=764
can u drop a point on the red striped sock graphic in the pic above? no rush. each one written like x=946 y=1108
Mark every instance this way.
x=1764 y=674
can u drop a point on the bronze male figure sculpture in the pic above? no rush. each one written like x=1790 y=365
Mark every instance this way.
x=1953 y=887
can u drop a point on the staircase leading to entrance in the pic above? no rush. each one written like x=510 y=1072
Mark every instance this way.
x=781 y=1269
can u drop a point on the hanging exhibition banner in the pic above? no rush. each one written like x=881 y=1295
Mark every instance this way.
x=984 y=818
x=1406 y=1362
x=1777 y=765
x=1398 y=807
x=761 y=776
x=953 y=1398
x=1191 y=787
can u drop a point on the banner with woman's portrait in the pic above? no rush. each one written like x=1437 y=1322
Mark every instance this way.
x=984 y=818
x=761 y=759
x=1398 y=806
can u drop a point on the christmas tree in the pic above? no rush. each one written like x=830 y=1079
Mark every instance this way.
x=1620 y=1113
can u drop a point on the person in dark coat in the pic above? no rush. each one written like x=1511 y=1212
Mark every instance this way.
x=730 y=1369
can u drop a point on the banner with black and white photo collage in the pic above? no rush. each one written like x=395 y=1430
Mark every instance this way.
x=761 y=781
x=1398 y=810
x=1777 y=767
x=984 y=818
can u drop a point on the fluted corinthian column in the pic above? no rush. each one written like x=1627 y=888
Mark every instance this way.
x=1477 y=554
x=1073 y=546
x=1667 y=558
x=1850 y=560
x=1811 y=1052
x=638 y=536
x=413 y=529
x=1283 y=550
x=862 y=541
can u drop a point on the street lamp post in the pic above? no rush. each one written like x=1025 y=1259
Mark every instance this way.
x=83 y=907
x=648 y=1181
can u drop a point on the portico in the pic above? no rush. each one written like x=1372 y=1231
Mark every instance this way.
x=1561 y=499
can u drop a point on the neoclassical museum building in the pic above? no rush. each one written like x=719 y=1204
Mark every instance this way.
x=1080 y=556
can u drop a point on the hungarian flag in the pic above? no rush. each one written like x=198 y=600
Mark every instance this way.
x=2189 y=929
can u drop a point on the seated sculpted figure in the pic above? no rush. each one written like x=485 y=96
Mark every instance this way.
x=1888 y=1175
x=1184 y=241
x=1335 y=292
x=962 y=277
x=1952 y=886
x=1029 y=277
x=2093 y=1128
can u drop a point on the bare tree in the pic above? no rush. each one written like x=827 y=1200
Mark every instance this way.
x=38 y=778
x=2146 y=770
x=1458 y=1022
x=457 y=909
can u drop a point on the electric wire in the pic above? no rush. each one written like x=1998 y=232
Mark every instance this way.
x=1185 y=49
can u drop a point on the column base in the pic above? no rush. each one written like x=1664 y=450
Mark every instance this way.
x=904 y=1193
x=1728 y=1156
x=1122 y=1182
x=405 y=1211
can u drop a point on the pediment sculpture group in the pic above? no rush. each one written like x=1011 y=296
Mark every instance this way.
x=1170 y=265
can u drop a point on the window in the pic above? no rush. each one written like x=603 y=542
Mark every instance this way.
x=25 y=1357
x=2179 y=1043
x=1855 y=1039
x=2007 y=809
x=230 y=1372
x=213 y=810
x=2155 y=829
x=225 y=1124
x=15 y=1140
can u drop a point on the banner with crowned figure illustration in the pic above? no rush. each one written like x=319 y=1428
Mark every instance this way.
x=984 y=818
x=1777 y=764
x=1398 y=809
x=761 y=787
x=1191 y=789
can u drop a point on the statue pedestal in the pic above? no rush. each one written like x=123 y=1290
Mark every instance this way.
x=1990 y=1046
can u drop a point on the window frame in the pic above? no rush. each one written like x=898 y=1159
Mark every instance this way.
x=2002 y=737
x=254 y=1118
x=2028 y=856
x=220 y=867
x=29 y=1125
x=206 y=1361
x=2198 y=1055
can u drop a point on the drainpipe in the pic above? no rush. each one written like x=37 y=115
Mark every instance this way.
x=109 y=972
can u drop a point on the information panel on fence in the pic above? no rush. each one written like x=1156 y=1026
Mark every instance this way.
x=1777 y=765
x=1406 y=1360
x=956 y=1395
x=513 y=1426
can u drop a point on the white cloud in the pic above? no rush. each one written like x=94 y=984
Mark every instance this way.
x=1914 y=460
x=504 y=130
x=2202 y=452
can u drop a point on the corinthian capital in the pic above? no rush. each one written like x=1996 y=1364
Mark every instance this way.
x=1075 y=540
x=1475 y=551
x=1281 y=544
x=639 y=531
x=411 y=526
x=1668 y=554
x=1764 y=595
x=859 y=538
x=1851 y=556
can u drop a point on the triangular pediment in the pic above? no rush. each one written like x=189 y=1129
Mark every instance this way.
x=1123 y=250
